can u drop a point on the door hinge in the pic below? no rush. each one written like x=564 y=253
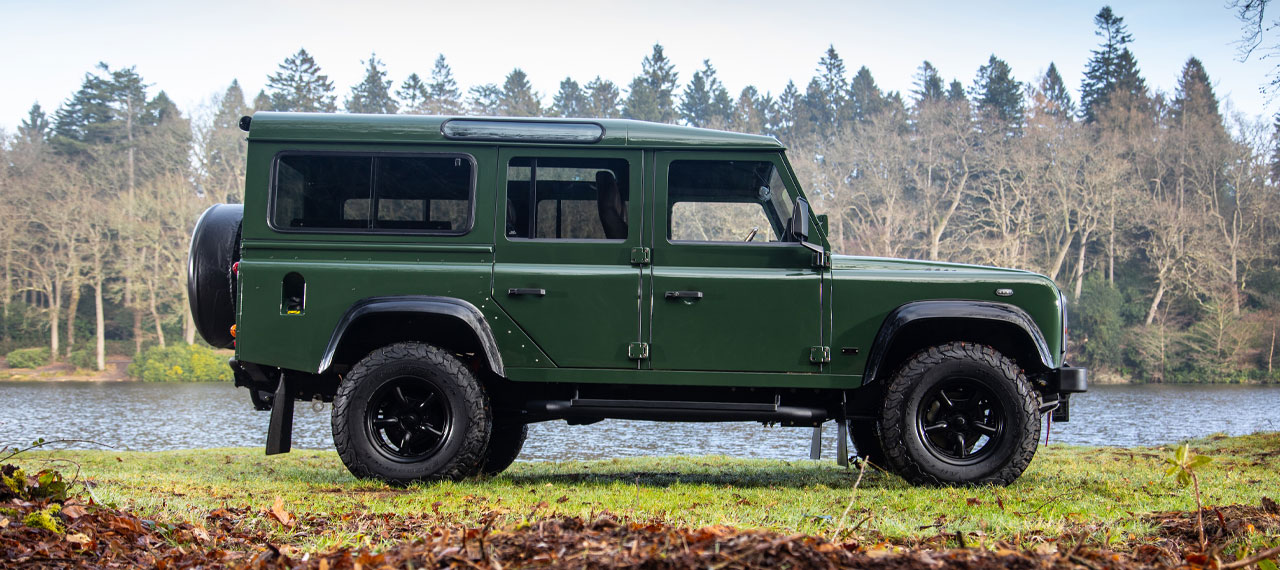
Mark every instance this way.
x=822 y=259
x=640 y=256
x=819 y=354
x=638 y=350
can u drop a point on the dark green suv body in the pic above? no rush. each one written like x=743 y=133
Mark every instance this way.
x=446 y=281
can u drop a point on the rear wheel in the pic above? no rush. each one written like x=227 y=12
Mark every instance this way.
x=411 y=412
x=960 y=413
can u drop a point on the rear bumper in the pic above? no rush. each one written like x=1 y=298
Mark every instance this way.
x=1064 y=382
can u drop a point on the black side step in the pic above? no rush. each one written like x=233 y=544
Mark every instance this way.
x=672 y=411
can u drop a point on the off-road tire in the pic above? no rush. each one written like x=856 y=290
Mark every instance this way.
x=967 y=364
x=211 y=281
x=504 y=446
x=461 y=451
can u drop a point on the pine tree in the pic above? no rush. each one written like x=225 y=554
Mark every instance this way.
x=1112 y=67
x=261 y=101
x=413 y=93
x=1194 y=98
x=817 y=113
x=223 y=148
x=955 y=93
x=831 y=79
x=603 y=99
x=485 y=100
x=747 y=115
x=651 y=95
x=865 y=98
x=998 y=95
x=231 y=107
x=299 y=86
x=928 y=84
x=35 y=128
x=570 y=101
x=109 y=108
x=1056 y=99
x=443 y=96
x=373 y=95
x=705 y=101
x=788 y=110
x=518 y=97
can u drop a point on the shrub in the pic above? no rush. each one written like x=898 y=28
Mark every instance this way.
x=86 y=358
x=181 y=363
x=28 y=357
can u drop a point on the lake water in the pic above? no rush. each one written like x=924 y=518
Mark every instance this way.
x=145 y=417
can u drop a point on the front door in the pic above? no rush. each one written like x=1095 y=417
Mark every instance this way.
x=728 y=292
x=567 y=222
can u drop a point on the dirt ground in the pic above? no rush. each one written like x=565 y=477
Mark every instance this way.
x=115 y=372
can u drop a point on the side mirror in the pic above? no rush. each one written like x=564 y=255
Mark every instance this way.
x=823 y=224
x=798 y=228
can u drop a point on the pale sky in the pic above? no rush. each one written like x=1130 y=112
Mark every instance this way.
x=193 y=50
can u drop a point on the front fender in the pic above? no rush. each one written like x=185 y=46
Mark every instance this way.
x=919 y=312
x=416 y=304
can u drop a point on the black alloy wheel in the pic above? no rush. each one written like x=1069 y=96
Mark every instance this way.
x=959 y=413
x=960 y=421
x=411 y=412
x=409 y=419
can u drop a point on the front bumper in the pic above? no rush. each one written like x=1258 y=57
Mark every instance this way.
x=1064 y=382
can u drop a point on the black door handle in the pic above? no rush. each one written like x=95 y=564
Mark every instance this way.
x=684 y=294
x=526 y=291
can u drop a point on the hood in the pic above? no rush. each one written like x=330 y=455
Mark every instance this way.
x=862 y=263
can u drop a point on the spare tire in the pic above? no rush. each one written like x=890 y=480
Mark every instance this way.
x=215 y=248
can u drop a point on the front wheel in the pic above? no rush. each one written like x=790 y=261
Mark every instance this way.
x=960 y=413
x=411 y=412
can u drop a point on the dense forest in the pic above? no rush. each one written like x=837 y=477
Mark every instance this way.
x=1155 y=212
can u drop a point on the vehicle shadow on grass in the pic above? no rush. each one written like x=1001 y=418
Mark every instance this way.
x=794 y=476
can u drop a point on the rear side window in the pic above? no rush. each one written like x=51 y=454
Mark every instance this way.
x=373 y=193
x=568 y=198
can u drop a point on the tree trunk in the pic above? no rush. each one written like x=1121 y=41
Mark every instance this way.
x=1111 y=244
x=1084 y=246
x=100 y=326
x=1155 y=303
x=1271 y=353
x=151 y=301
x=55 y=314
x=1061 y=256
x=71 y=317
x=131 y=300
x=8 y=290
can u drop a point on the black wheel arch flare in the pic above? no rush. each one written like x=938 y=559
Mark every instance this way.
x=903 y=320
x=454 y=309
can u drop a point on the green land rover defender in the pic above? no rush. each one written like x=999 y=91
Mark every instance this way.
x=447 y=281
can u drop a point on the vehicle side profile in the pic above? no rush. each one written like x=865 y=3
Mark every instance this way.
x=446 y=281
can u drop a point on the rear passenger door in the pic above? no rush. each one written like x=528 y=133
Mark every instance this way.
x=567 y=222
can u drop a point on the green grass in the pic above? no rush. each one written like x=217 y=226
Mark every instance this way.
x=1102 y=491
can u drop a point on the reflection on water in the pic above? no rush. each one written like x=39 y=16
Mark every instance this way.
x=137 y=416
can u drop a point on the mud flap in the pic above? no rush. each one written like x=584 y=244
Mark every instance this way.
x=842 y=443
x=280 y=431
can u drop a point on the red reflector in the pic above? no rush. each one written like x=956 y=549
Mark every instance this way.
x=235 y=268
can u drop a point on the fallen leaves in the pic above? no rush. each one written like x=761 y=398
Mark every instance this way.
x=277 y=512
x=242 y=537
